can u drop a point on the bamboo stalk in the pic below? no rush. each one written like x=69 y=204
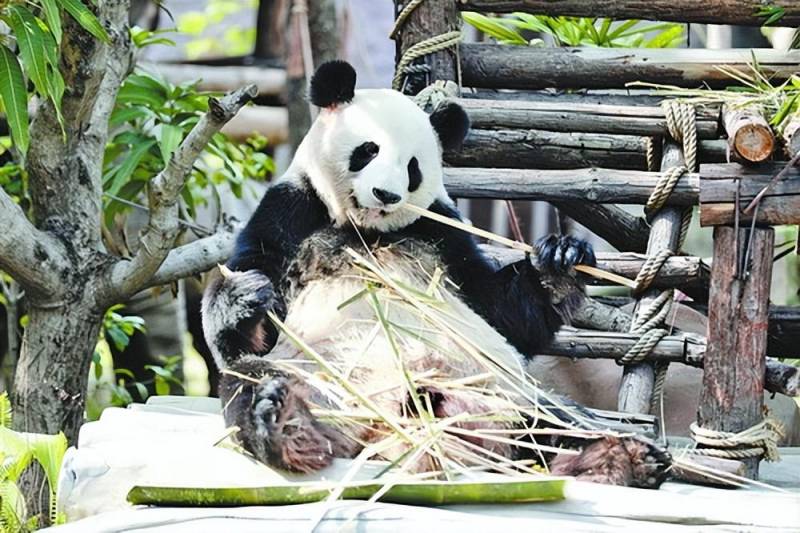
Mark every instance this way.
x=586 y=269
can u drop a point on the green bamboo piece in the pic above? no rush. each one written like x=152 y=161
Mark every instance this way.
x=430 y=493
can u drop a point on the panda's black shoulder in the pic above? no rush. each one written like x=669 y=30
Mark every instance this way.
x=289 y=212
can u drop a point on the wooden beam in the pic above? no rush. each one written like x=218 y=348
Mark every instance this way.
x=678 y=271
x=597 y=185
x=622 y=230
x=737 y=12
x=271 y=122
x=427 y=20
x=580 y=117
x=719 y=183
x=270 y=81
x=636 y=387
x=791 y=135
x=531 y=148
x=750 y=138
x=595 y=314
x=733 y=383
x=588 y=344
x=623 y=97
x=522 y=67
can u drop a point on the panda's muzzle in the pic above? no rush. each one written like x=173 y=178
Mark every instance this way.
x=385 y=197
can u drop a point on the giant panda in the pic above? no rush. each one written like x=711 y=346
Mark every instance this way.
x=368 y=153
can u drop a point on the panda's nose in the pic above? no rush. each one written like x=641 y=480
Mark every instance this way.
x=385 y=197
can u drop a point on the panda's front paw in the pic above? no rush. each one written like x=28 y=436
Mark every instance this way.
x=559 y=253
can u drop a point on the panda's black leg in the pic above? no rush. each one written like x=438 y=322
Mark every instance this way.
x=273 y=419
x=234 y=315
x=627 y=461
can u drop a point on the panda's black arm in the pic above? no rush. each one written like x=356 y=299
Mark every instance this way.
x=512 y=299
x=235 y=306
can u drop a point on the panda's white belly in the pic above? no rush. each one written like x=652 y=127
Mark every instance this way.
x=352 y=339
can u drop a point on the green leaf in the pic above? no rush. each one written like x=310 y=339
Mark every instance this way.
x=85 y=18
x=666 y=38
x=31 y=42
x=141 y=389
x=494 y=28
x=53 y=16
x=14 y=97
x=162 y=387
x=114 y=181
x=169 y=138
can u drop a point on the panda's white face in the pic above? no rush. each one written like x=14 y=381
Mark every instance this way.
x=372 y=156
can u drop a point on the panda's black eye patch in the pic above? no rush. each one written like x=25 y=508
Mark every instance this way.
x=414 y=175
x=362 y=155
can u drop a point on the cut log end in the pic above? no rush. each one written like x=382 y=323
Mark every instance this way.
x=753 y=143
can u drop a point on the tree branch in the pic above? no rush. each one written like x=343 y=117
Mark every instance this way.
x=194 y=258
x=30 y=256
x=158 y=237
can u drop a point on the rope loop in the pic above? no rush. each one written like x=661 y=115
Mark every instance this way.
x=644 y=345
x=761 y=439
x=434 y=94
x=421 y=49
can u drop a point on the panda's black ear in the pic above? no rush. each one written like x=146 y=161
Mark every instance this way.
x=451 y=124
x=333 y=83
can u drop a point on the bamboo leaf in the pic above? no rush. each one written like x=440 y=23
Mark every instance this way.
x=53 y=16
x=85 y=18
x=169 y=137
x=494 y=28
x=666 y=38
x=14 y=97
x=115 y=180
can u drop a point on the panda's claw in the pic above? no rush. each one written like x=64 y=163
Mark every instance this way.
x=560 y=253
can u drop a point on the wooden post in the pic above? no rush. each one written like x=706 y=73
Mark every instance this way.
x=733 y=381
x=636 y=388
x=791 y=134
x=428 y=20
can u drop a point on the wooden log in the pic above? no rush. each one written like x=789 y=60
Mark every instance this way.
x=428 y=20
x=733 y=383
x=553 y=150
x=678 y=271
x=697 y=477
x=271 y=122
x=620 y=229
x=270 y=81
x=718 y=185
x=685 y=348
x=636 y=387
x=779 y=377
x=750 y=139
x=580 y=117
x=521 y=67
x=737 y=12
x=580 y=185
x=623 y=97
x=791 y=135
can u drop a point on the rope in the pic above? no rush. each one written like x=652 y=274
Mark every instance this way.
x=761 y=439
x=681 y=125
x=401 y=18
x=421 y=49
x=434 y=94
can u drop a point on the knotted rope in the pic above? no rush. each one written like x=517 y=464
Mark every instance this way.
x=681 y=125
x=761 y=439
x=434 y=94
x=427 y=46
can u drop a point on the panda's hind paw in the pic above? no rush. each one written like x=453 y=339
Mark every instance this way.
x=559 y=253
x=627 y=461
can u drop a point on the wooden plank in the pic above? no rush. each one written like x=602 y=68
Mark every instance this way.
x=532 y=148
x=678 y=271
x=582 y=185
x=588 y=344
x=718 y=185
x=750 y=138
x=738 y=12
x=624 y=97
x=636 y=387
x=521 y=67
x=733 y=383
x=580 y=117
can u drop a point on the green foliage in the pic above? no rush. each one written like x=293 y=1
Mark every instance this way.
x=576 y=31
x=151 y=118
x=17 y=451
x=235 y=41
x=770 y=14
x=36 y=42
